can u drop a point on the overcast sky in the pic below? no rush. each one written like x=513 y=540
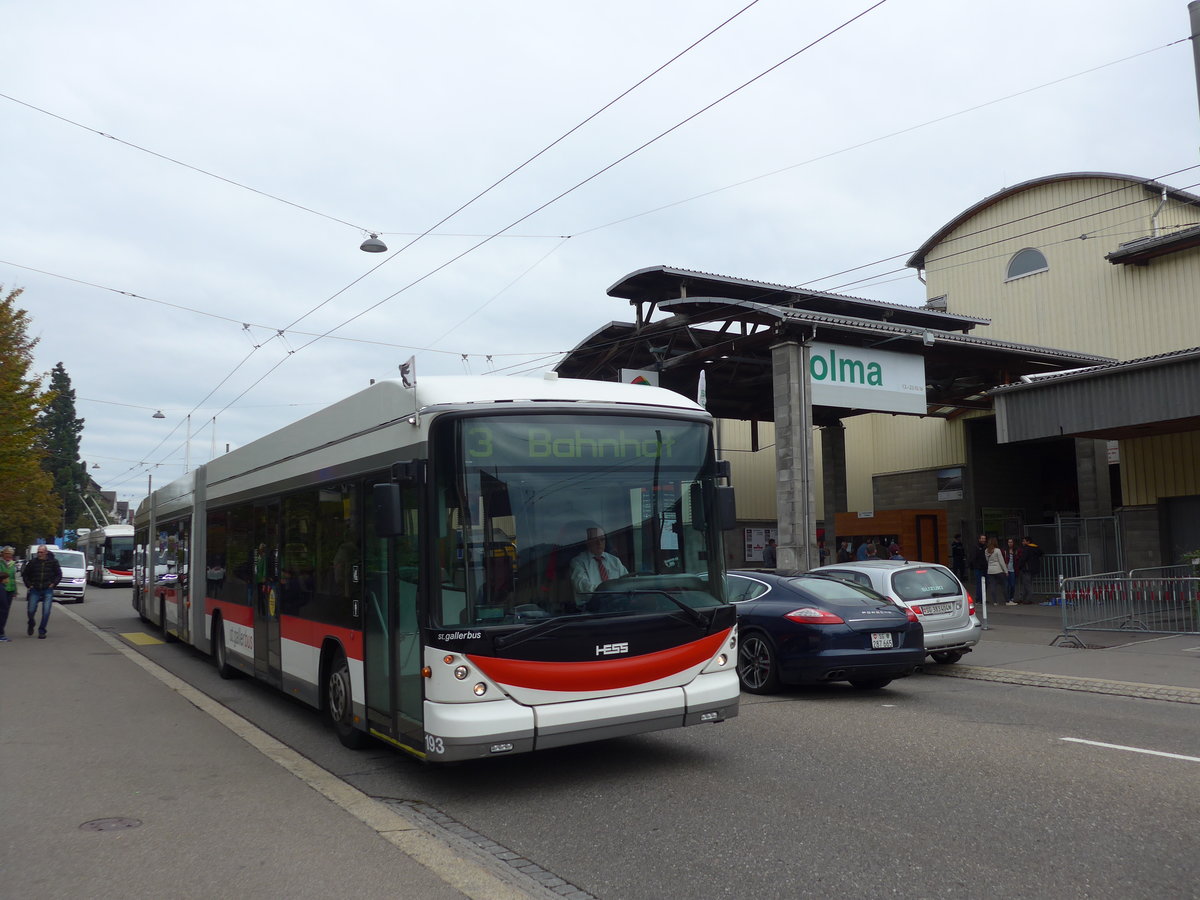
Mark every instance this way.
x=149 y=148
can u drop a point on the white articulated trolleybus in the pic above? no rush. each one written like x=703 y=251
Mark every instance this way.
x=411 y=560
x=109 y=552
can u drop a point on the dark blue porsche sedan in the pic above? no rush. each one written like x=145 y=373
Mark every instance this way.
x=806 y=629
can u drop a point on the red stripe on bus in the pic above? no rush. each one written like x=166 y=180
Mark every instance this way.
x=121 y=571
x=304 y=631
x=602 y=674
x=230 y=612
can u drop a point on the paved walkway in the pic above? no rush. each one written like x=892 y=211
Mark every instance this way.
x=1017 y=648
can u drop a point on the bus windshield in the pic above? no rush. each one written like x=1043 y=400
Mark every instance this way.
x=540 y=517
x=118 y=553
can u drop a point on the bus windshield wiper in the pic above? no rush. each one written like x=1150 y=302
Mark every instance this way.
x=694 y=614
x=546 y=626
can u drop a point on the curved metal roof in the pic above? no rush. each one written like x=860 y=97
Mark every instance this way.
x=657 y=284
x=917 y=260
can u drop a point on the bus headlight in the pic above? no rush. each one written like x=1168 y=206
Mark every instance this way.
x=461 y=672
x=480 y=689
x=722 y=660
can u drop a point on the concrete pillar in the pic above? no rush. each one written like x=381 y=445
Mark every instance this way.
x=1091 y=476
x=833 y=463
x=795 y=485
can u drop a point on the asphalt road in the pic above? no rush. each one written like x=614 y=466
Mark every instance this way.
x=932 y=787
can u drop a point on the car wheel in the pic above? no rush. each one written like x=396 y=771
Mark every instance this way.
x=946 y=657
x=220 y=657
x=870 y=684
x=339 y=704
x=758 y=668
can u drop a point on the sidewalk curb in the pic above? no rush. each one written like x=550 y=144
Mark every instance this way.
x=458 y=864
x=1069 y=683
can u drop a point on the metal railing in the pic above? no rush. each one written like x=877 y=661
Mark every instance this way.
x=1057 y=566
x=1152 y=604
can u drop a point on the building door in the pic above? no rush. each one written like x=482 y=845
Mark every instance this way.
x=929 y=541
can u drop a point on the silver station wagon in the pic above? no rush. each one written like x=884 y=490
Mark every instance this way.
x=945 y=608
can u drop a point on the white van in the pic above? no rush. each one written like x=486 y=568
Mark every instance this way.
x=74 y=572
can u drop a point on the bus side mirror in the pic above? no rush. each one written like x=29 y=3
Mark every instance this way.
x=388 y=506
x=726 y=509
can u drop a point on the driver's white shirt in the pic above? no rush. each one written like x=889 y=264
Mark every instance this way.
x=585 y=571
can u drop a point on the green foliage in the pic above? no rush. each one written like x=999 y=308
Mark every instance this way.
x=28 y=508
x=59 y=434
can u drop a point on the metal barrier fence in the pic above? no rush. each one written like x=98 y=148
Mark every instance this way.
x=1056 y=567
x=1116 y=602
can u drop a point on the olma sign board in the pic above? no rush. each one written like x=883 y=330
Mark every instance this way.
x=866 y=379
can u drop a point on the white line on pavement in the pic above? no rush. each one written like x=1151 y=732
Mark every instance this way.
x=1132 y=749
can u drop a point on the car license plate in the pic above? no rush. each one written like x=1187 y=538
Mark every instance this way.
x=881 y=640
x=937 y=609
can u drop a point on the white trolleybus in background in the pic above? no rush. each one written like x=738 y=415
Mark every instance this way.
x=109 y=553
x=415 y=562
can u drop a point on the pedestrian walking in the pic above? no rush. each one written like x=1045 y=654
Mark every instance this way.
x=769 y=554
x=40 y=575
x=1029 y=564
x=1011 y=552
x=979 y=566
x=997 y=574
x=8 y=587
x=845 y=554
x=958 y=558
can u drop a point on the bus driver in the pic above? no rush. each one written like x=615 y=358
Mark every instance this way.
x=594 y=566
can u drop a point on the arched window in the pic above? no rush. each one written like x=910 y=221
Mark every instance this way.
x=1026 y=262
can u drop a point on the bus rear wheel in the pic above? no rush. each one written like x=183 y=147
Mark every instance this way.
x=220 y=657
x=339 y=704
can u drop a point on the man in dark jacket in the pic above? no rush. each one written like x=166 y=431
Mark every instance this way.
x=978 y=563
x=40 y=575
x=1029 y=564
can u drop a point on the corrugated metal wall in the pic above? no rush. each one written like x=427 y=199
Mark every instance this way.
x=1082 y=302
x=1162 y=466
x=752 y=472
x=881 y=444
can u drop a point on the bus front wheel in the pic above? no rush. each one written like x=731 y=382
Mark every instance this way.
x=339 y=704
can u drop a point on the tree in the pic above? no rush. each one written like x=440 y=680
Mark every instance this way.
x=28 y=508
x=60 y=431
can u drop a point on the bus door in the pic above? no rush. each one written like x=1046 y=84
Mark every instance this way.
x=267 y=661
x=392 y=640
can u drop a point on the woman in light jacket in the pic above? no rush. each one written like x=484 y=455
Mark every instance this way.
x=997 y=573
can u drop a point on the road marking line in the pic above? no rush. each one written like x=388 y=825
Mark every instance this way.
x=140 y=637
x=1132 y=749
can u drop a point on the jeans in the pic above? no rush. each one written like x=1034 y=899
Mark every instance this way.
x=1025 y=588
x=997 y=585
x=6 y=598
x=44 y=596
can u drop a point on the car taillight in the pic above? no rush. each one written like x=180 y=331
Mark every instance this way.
x=811 y=615
x=912 y=616
x=970 y=603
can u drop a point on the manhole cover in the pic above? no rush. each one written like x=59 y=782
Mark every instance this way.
x=110 y=824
